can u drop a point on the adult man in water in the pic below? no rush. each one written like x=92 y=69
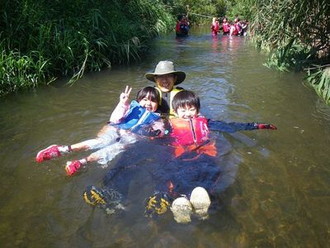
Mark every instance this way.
x=166 y=77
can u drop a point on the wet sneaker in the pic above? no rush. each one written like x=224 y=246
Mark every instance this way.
x=72 y=167
x=182 y=210
x=201 y=202
x=48 y=153
x=157 y=204
x=109 y=199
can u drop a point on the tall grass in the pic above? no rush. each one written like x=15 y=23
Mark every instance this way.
x=68 y=38
x=296 y=34
x=22 y=71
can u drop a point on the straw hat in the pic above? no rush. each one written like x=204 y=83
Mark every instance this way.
x=166 y=67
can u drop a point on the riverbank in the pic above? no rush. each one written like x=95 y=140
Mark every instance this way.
x=42 y=41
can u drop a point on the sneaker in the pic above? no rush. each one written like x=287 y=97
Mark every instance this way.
x=109 y=199
x=201 y=202
x=157 y=204
x=48 y=153
x=72 y=167
x=181 y=209
x=94 y=196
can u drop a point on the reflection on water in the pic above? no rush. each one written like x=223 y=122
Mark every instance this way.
x=278 y=195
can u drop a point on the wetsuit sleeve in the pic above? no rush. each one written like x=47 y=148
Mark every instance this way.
x=232 y=127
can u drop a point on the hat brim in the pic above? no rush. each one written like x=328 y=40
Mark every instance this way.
x=181 y=76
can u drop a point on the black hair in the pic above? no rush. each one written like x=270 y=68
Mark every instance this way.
x=186 y=98
x=152 y=93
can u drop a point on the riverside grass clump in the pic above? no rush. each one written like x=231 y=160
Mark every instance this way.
x=21 y=71
x=319 y=78
x=42 y=40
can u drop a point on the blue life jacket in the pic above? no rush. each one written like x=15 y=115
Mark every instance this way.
x=137 y=117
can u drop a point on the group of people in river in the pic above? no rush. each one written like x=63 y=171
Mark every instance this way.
x=165 y=111
x=232 y=28
x=236 y=28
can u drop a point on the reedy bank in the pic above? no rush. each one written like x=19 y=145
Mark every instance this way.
x=43 y=40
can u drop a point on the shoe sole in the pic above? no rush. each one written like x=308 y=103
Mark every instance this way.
x=201 y=202
x=96 y=196
x=181 y=209
x=156 y=205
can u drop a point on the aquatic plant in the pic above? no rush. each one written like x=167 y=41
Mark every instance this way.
x=319 y=78
x=22 y=71
x=291 y=56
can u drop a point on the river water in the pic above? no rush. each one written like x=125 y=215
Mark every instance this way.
x=276 y=192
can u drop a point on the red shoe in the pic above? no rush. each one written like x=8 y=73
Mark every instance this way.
x=72 y=167
x=48 y=153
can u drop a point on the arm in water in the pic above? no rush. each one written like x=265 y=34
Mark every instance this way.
x=232 y=127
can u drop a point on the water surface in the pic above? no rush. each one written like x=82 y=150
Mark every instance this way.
x=279 y=195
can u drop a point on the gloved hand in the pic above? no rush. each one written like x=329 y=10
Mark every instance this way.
x=265 y=126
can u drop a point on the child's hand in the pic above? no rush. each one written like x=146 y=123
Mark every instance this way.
x=266 y=126
x=124 y=96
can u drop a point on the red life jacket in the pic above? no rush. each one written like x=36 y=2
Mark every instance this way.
x=237 y=29
x=177 y=27
x=215 y=27
x=226 y=27
x=189 y=131
x=191 y=135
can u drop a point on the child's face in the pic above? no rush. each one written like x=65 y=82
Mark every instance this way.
x=165 y=82
x=187 y=112
x=147 y=103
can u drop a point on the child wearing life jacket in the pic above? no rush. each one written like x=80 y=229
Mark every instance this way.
x=236 y=27
x=190 y=130
x=127 y=120
x=182 y=26
x=183 y=184
x=225 y=26
x=244 y=25
x=190 y=135
x=215 y=26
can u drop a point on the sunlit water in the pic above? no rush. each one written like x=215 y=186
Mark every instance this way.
x=279 y=192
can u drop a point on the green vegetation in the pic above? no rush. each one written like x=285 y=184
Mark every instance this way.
x=295 y=33
x=319 y=79
x=42 y=40
x=198 y=11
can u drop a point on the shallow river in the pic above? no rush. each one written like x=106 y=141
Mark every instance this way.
x=276 y=192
